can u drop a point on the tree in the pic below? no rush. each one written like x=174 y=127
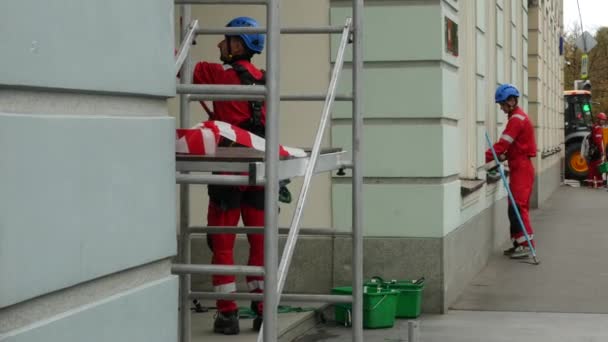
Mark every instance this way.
x=597 y=68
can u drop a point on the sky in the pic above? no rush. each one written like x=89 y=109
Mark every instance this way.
x=594 y=13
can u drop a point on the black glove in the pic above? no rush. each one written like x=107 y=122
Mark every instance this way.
x=284 y=193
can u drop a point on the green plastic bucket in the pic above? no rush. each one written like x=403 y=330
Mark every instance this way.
x=379 y=307
x=409 y=303
x=604 y=167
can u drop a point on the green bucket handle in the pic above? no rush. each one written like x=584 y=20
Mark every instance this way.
x=379 y=302
x=379 y=280
x=419 y=281
x=349 y=320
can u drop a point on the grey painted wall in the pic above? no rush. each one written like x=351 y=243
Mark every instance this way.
x=547 y=182
x=87 y=199
x=82 y=197
x=112 y=46
x=146 y=313
x=311 y=269
x=466 y=250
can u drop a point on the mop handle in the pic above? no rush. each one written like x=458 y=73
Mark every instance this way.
x=515 y=208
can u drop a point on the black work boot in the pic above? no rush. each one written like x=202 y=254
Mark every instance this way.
x=226 y=323
x=521 y=252
x=256 y=307
x=511 y=250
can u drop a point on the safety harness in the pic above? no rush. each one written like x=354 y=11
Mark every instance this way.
x=254 y=124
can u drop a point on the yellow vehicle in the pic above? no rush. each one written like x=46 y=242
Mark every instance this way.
x=577 y=124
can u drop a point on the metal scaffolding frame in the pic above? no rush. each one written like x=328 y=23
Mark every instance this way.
x=268 y=169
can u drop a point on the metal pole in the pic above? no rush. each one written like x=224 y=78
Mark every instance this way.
x=260 y=230
x=284 y=298
x=225 y=97
x=234 y=180
x=312 y=30
x=357 y=178
x=582 y=29
x=413 y=331
x=269 y=333
x=184 y=193
x=216 y=269
x=314 y=97
x=184 y=49
x=285 y=30
x=222 y=89
x=285 y=97
x=290 y=244
x=222 y=2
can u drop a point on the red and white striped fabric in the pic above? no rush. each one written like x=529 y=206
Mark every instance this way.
x=203 y=139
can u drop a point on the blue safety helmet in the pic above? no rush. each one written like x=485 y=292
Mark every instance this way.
x=253 y=41
x=504 y=91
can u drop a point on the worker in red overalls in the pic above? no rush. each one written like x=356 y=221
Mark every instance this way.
x=597 y=153
x=518 y=146
x=228 y=203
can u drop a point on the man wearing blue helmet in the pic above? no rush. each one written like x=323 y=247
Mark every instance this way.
x=228 y=203
x=518 y=146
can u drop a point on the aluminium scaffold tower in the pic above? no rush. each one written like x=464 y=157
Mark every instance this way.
x=267 y=168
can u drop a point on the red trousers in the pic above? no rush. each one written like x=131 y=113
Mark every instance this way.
x=521 y=184
x=594 y=171
x=247 y=205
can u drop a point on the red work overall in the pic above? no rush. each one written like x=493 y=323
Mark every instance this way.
x=228 y=203
x=518 y=144
x=597 y=139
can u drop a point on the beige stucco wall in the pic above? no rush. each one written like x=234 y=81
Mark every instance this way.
x=546 y=78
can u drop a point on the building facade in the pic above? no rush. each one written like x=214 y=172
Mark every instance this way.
x=87 y=172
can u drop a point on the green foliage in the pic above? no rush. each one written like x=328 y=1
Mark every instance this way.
x=598 y=66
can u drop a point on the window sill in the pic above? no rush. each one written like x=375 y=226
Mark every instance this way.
x=469 y=186
x=492 y=173
x=548 y=153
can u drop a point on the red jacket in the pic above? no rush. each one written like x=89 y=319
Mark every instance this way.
x=517 y=140
x=597 y=137
x=232 y=112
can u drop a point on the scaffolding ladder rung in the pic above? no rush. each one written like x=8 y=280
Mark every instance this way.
x=313 y=30
x=234 y=180
x=225 y=97
x=284 y=297
x=260 y=230
x=284 y=30
x=314 y=97
x=221 y=2
x=216 y=269
x=286 y=97
x=221 y=89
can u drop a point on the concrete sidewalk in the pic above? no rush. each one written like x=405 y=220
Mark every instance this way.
x=476 y=326
x=571 y=232
x=291 y=324
x=549 y=302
